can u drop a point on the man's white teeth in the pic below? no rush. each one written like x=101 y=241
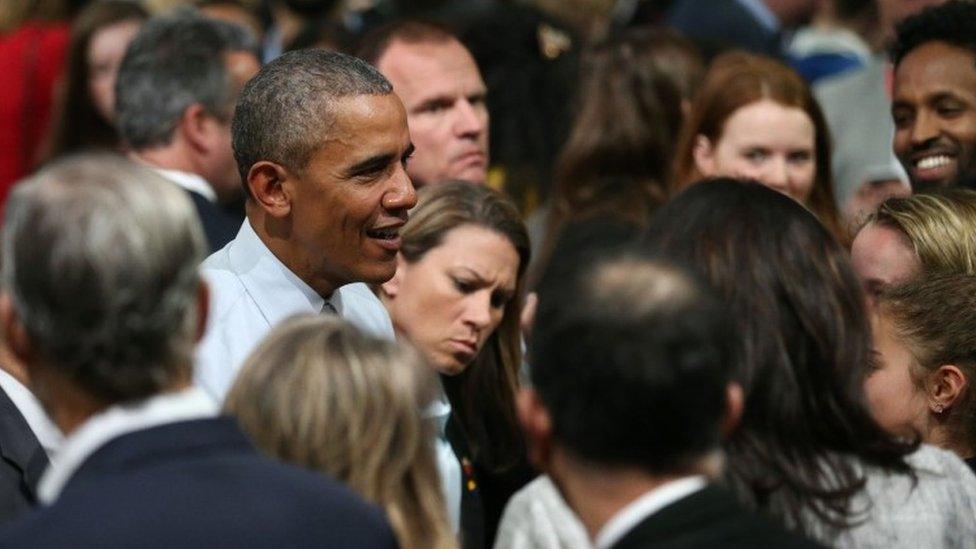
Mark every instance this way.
x=930 y=162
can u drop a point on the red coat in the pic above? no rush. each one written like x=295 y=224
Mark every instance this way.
x=31 y=59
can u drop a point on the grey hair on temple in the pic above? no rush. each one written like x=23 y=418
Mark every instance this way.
x=99 y=260
x=284 y=113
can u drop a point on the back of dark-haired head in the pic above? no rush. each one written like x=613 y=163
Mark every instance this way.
x=952 y=23
x=410 y=31
x=78 y=125
x=100 y=260
x=803 y=346
x=174 y=62
x=621 y=350
x=285 y=112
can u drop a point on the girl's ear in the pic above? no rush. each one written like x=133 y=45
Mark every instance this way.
x=704 y=154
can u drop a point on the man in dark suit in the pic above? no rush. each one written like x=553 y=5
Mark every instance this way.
x=175 y=96
x=23 y=461
x=102 y=302
x=631 y=395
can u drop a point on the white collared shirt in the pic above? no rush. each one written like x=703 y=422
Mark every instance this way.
x=114 y=422
x=47 y=433
x=250 y=292
x=189 y=181
x=636 y=511
x=439 y=411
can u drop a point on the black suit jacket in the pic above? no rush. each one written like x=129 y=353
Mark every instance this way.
x=472 y=510
x=23 y=461
x=218 y=226
x=709 y=518
x=197 y=484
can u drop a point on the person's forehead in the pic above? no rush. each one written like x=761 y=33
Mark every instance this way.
x=937 y=65
x=417 y=65
x=364 y=125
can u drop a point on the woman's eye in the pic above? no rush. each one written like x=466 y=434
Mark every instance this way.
x=499 y=301
x=463 y=286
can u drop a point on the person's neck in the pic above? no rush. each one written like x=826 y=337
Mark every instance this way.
x=165 y=158
x=598 y=492
x=69 y=406
x=942 y=436
x=276 y=234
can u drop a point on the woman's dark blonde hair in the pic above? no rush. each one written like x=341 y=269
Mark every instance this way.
x=738 y=79
x=321 y=394
x=483 y=396
x=940 y=224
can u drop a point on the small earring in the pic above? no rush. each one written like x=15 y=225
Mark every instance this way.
x=939 y=408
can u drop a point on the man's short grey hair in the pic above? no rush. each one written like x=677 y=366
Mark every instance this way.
x=284 y=112
x=174 y=62
x=100 y=260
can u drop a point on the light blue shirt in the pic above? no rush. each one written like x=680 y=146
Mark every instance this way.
x=251 y=291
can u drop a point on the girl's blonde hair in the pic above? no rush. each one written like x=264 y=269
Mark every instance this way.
x=321 y=394
x=941 y=225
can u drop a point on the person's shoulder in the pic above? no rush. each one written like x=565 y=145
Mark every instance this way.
x=359 y=305
x=711 y=517
x=231 y=499
x=537 y=516
x=933 y=506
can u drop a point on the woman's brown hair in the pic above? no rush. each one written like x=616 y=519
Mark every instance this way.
x=484 y=394
x=738 y=79
x=77 y=123
x=319 y=393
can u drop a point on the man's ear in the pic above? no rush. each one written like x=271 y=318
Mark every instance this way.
x=15 y=336
x=195 y=126
x=704 y=154
x=537 y=426
x=391 y=288
x=734 y=406
x=270 y=187
x=945 y=386
x=203 y=309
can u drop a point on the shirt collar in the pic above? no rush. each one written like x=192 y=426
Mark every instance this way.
x=439 y=411
x=277 y=291
x=190 y=181
x=762 y=13
x=636 y=511
x=47 y=433
x=114 y=422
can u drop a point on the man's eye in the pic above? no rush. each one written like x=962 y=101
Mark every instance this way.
x=434 y=107
x=756 y=155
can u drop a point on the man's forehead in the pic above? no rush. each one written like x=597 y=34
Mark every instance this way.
x=357 y=115
x=411 y=64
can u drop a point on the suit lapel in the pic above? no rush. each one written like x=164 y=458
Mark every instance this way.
x=20 y=447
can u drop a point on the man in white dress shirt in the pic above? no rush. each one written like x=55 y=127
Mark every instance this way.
x=176 y=91
x=631 y=394
x=321 y=142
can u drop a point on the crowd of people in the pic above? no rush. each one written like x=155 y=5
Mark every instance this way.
x=469 y=274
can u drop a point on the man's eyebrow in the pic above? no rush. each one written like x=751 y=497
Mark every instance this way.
x=372 y=164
